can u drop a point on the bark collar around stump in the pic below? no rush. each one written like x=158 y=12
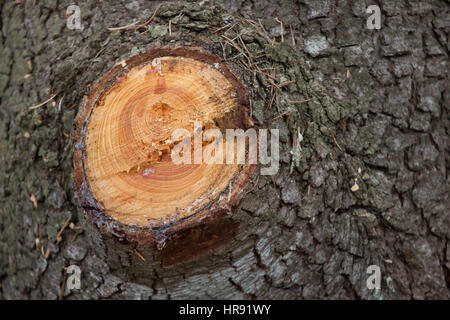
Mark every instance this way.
x=115 y=183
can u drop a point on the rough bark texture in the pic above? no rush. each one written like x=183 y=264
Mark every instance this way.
x=376 y=115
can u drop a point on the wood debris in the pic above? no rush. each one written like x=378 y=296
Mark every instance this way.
x=59 y=237
x=34 y=200
x=355 y=187
x=139 y=255
x=99 y=52
x=299 y=101
x=47 y=254
x=335 y=142
x=123 y=27
x=43 y=103
x=292 y=36
x=148 y=21
x=63 y=285
x=281 y=29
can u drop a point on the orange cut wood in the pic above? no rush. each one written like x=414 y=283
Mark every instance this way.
x=124 y=174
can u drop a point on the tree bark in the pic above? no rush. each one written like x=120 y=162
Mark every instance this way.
x=364 y=128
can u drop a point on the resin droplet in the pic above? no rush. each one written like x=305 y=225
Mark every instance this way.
x=147 y=172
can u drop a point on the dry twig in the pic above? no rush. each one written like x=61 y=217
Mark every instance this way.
x=58 y=236
x=63 y=285
x=335 y=141
x=139 y=255
x=149 y=20
x=123 y=27
x=281 y=29
x=43 y=103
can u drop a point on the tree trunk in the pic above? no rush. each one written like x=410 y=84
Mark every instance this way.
x=364 y=151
